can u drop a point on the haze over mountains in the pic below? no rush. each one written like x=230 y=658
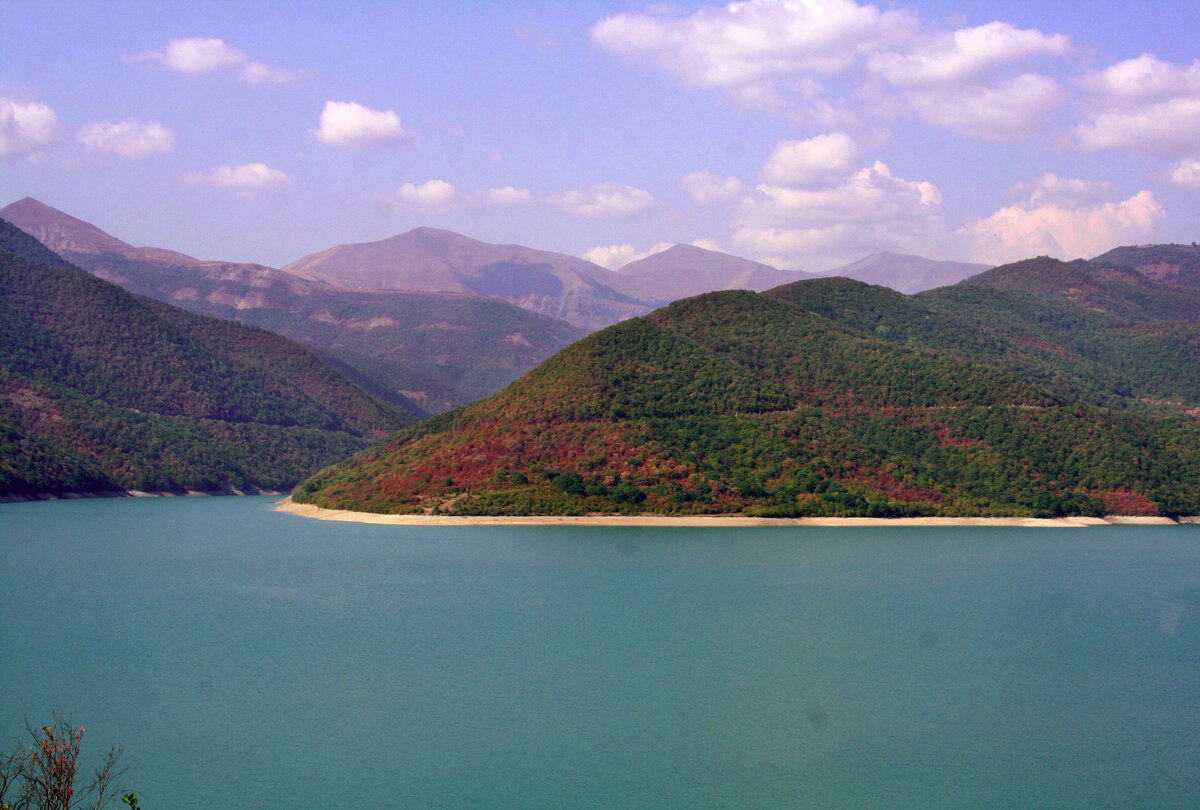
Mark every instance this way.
x=682 y=271
x=421 y=316
x=436 y=349
x=905 y=273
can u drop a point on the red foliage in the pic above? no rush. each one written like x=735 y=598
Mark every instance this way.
x=946 y=439
x=1124 y=502
x=885 y=484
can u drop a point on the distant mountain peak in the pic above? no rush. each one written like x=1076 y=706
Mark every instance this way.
x=905 y=272
x=65 y=234
x=59 y=231
x=681 y=271
x=428 y=259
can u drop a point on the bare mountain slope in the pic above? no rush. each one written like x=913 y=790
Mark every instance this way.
x=428 y=259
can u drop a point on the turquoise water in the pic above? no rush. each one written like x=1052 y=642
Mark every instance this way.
x=253 y=660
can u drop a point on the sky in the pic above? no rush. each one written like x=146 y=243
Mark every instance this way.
x=802 y=133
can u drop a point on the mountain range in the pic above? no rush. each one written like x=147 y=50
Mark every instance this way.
x=431 y=260
x=437 y=349
x=421 y=317
x=1037 y=388
x=682 y=271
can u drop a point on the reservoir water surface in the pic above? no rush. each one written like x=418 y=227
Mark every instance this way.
x=249 y=660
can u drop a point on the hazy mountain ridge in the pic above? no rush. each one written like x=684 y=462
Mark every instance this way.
x=437 y=349
x=427 y=259
x=905 y=273
x=104 y=390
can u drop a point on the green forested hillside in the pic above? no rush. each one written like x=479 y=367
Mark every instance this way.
x=1118 y=290
x=103 y=390
x=737 y=402
x=1020 y=318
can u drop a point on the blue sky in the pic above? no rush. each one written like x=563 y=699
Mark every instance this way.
x=804 y=133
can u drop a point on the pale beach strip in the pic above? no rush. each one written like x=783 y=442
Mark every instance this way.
x=726 y=521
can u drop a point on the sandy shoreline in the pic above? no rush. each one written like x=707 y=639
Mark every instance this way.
x=729 y=521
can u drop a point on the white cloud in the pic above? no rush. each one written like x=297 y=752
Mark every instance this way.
x=962 y=54
x=836 y=63
x=1013 y=108
x=258 y=73
x=707 y=188
x=248 y=177
x=1167 y=126
x=746 y=41
x=1187 y=173
x=26 y=127
x=439 y=196
x=431 y=196
x=814 y=229
x=819 y=160
x=199 y=56
x=610 y=256
x=345 y=123
x=1143 y=104
x=1067 y=192
x=1064 y=219
x=507 y=196
x=130 y=138
x=616 y=256
x=603 y=200
x=1145 y=77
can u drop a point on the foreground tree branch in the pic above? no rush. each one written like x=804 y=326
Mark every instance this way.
x=43 y=775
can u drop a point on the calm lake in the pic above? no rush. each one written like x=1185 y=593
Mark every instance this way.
x=249 y=660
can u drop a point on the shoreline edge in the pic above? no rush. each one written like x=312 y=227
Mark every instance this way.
x=286 y=505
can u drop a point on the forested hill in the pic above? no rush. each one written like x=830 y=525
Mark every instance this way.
x=1050 y=322
x=104 y=390
x=740 y=402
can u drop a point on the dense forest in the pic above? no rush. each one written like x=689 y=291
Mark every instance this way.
x=1100 y=341
x=102 y=390
x=764 y=405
